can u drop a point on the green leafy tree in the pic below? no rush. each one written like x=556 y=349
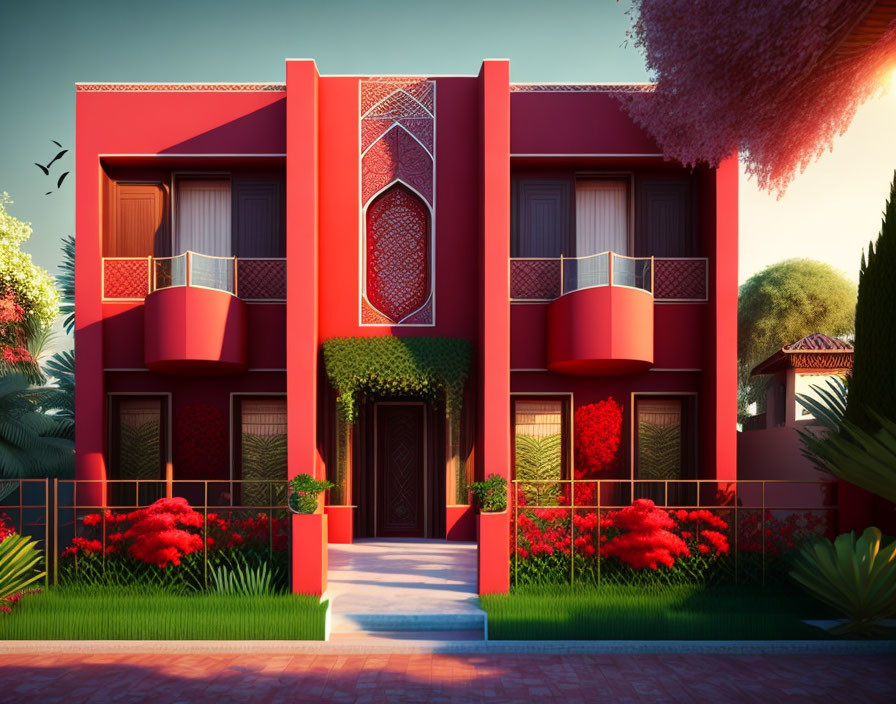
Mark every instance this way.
x=33 y=287
x=873 y=383
x=782 y=304
x=34 y=441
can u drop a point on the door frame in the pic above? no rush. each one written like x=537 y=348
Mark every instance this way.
x=376 y=459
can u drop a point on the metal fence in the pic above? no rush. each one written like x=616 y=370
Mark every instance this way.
x=53 y=512
x=562 y=531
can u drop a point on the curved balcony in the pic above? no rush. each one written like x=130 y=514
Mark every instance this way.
x=602 y=322
x=193 y=323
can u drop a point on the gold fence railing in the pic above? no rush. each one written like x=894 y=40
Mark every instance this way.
x=763 y=518
x=53 y=511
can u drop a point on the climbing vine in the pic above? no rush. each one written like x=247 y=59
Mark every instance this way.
x=428 y=368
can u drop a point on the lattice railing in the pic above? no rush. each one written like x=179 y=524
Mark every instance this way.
x=262 y=279
x=681 y=279
x=132 y=279
x=534 y=279
x=126 y=279
x=544 y=279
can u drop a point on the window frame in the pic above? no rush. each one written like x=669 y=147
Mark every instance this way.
x=113 y=422
x=566 y=428
x=628 y=177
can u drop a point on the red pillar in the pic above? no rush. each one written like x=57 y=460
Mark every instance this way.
x=90 y=405
x=309 y=573
x=720 y=382
x=493 y=438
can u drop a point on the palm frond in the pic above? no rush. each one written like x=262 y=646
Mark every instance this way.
x=66 y=283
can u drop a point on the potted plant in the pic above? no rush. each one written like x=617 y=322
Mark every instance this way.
x=491 y=494
x=305 y=492
x=494 y=529
x=309 y=535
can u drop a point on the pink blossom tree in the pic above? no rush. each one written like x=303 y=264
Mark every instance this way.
x=775 y=80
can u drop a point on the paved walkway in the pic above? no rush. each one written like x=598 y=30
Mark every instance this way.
x=690 y=679
x=433 y=581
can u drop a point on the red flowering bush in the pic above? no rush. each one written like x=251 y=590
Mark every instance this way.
x=13 y=353
x=777 y=535
x=160 y=533
x=7 y=527
x=551 y=544
x=643 y=537
x=598 y=431
x=168 y=536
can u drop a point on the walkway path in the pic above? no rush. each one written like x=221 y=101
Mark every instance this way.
x=404 y=585
x=690 y=679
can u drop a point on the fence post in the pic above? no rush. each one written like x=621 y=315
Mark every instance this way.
x=572 y=532
x=205 y=534
x=55 y=531
x=762 y=530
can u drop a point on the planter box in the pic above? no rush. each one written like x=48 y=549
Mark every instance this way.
x=309 y=553
x=339 y=523
x=493 y=530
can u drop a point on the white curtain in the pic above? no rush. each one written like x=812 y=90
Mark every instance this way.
x=203 y=217
x=601 y=217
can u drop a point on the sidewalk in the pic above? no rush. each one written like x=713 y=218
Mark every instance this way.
x=70 y=678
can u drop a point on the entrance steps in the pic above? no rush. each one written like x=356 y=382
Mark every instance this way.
x=467 y=625
x=403 y=589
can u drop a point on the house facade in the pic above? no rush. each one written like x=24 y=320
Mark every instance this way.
x=226 y=232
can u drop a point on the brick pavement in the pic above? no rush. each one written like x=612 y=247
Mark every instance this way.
x=425 y=677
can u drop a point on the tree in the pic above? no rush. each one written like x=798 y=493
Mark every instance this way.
x=34 y=441
x=775 y=80
x=782 y=304
x=33 y=288
x=873 y=382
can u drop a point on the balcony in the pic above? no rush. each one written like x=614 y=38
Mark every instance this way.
x=602 y=322
x=194 y=313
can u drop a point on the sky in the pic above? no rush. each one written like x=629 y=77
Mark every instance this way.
x=829 y=213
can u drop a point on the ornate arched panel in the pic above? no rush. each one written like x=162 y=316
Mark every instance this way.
x=397 y=253
x=397 y=137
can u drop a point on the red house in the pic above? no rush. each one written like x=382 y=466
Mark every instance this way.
x=226 y=231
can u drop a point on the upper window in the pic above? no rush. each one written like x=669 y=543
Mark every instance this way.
x=203 y=216
x=601 y=216
x=220 y=215
x=578 y=216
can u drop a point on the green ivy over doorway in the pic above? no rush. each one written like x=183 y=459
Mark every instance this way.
x=427 y=368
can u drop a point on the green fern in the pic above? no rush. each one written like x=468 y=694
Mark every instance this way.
x=659 y=451
x=539 y=460
x=251 y=581
x=140 y=451
x=264 y=458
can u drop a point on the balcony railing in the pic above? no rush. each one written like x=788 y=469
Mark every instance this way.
x=668 y=279
x=133 y=278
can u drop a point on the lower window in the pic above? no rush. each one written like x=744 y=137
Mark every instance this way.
x=665 y=449
x=138 y=448
x=260 y=451
x=540 y=440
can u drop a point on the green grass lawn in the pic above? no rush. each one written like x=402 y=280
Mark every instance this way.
x=140 y=614
x=637 y=613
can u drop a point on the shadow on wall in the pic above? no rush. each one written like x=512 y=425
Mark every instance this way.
x=269 y=120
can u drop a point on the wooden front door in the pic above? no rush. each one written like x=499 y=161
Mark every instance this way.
x=400 y=469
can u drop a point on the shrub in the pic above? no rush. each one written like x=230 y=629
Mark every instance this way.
x=19 y=559
x=598 y=431
x=855 y=577
x=305 y=490
x=491 y=494
x=162 y=546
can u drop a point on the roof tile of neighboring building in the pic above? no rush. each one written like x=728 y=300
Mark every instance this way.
x=813 y=352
